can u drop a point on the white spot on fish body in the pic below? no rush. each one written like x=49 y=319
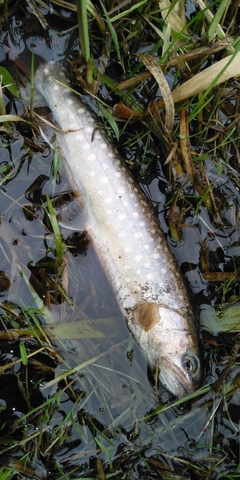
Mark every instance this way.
x=149 y=276
x=125 y=204
x=138 y=258
x=108 y=200
x=117 y=174
x=156 y=256
x=81 y=110
x=70 y=101
x=92 y=157
x=121 y=234
x=97 y=136
x=80 y=136
x=89 y=129
x=84 y=145
x=122 y=216
x=103 y=146
x=104 y=180
x=121 y=191
x=135 y=214
x=56 y=88
x=142 y=224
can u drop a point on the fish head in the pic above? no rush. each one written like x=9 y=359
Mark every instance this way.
x=170 y=342
x=180 y=357
x=181 y=370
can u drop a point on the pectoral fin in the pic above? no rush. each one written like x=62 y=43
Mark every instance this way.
x=146 y=315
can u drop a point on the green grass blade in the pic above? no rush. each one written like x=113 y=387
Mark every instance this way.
x=112 y=31
x=23 y=353
x=83 y=29
x=8 y=81
x=56 y=231
x=128 y=11
x=214 y=28
x=32 y=88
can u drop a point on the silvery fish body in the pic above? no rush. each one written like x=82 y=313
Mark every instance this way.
x=127 y=239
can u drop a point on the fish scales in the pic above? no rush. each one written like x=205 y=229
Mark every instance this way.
x=127 y=239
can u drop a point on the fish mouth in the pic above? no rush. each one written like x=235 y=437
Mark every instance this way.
x=179 y=382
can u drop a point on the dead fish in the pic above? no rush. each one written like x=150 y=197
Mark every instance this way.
x=127 y=239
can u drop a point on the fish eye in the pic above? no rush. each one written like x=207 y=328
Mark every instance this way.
x=190 y=364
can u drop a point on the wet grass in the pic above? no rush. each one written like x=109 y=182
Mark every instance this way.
x=195 y=137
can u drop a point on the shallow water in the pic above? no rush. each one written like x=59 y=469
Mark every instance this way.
x=97 y=412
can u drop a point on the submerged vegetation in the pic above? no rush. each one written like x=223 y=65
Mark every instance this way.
x=75 y=398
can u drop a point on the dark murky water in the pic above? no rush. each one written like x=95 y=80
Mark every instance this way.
x=96 y=414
